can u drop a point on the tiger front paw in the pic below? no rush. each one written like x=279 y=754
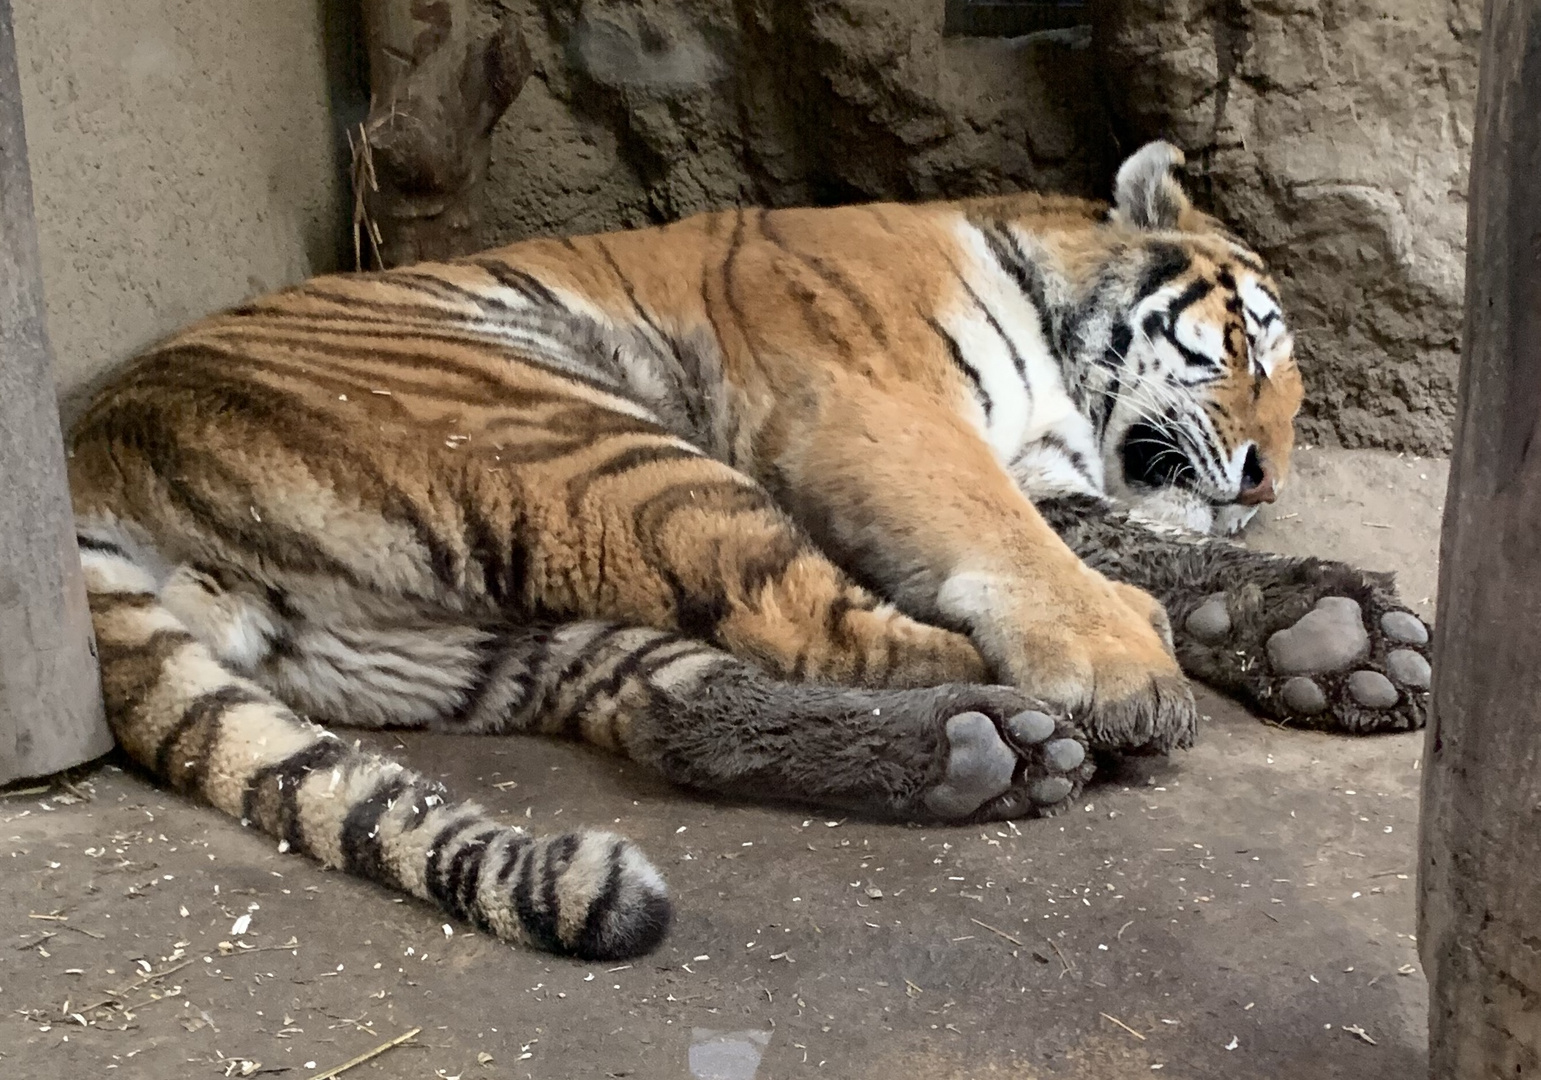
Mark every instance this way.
x=1098 y=651
x=1333 y=650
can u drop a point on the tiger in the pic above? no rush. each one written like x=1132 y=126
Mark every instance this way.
x=908 y=510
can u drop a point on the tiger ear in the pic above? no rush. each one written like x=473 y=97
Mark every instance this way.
x=1146 y=194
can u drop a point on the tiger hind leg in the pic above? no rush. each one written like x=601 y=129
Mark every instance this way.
x=640 y=528
x=215 y=735
x=703 y=718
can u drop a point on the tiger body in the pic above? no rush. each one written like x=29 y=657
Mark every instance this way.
x=760 y=498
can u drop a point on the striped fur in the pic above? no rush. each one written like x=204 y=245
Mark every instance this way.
x=747 y=498
x=205 y=731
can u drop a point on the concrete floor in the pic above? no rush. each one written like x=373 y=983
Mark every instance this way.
x=1243 y=910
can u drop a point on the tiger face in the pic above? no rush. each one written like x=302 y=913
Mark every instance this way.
x=1202 y=427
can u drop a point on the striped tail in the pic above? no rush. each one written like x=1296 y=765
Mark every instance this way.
x=215 y=736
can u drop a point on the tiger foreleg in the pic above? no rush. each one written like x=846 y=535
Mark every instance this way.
x=1302 y=640
x=692 y=545
x=907 y=494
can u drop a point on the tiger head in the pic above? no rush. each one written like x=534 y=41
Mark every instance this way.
x=1200 y=424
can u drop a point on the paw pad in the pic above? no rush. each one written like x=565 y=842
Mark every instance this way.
x=1026 y=761
x=1210 y=622
x=1050 y=790
x=1408 y=668
x=1327 y=638
x=1031 y=727
x=979 y=767
x=1304 y=696
x=1404 y=627
x=1372 y=690
x=1065 y=754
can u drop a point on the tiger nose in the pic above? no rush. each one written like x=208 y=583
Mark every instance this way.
x=1257 y=477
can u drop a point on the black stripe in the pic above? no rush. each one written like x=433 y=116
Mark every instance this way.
x=488 y=662
x=586 y=655
x=452 y=879
x=690 y=387
x=557 y=357
x=838 y=634
x=538 y=919
x=106 y=547
x=437 y=286
x=307 y=344
x=1073 y=457
x=106 y=601
x=142 y=426
x=1165 y=261
x=521 y=281
x=955 y=352
x=363 y=852
x=465 y=874
x=832 y=276
x=284 y=778
x=631 y=295
x=517 y=845
x=1211 y=452
x=1000 y=332
x=206 y=709
x=426 y=373
x=591 y=940
x=532 y=653
x=353 y=308
x=1250 y=261
x=635 y=458
x=559 y=856
x=1109 y=401
x=131 y=672
x=697 y=613
x=735 y=245
x=500 y=553
x=638 y=664
x=1193 y=294
x=771 y=561
x=1028 y=277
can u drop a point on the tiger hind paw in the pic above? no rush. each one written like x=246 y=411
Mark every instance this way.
x=1026 y=763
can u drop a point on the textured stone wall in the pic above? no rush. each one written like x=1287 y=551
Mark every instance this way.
x=1335 y=135
x=185 y=155
x=647 y=110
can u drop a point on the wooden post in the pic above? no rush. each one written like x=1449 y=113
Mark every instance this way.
x=50 y=699
x=438 y=85
x=1479 y=887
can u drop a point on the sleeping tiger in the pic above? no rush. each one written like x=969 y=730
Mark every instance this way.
x=899 y=509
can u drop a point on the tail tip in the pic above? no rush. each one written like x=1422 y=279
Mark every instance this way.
x=631 y=919
x=637 y=932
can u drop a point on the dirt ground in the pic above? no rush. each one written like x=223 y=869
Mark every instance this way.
x=1244 y=910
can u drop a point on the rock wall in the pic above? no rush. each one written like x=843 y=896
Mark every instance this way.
x=647 y=110
x=185 y=156
x=1335 y=135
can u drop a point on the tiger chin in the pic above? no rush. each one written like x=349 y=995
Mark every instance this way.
x=858 y=507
